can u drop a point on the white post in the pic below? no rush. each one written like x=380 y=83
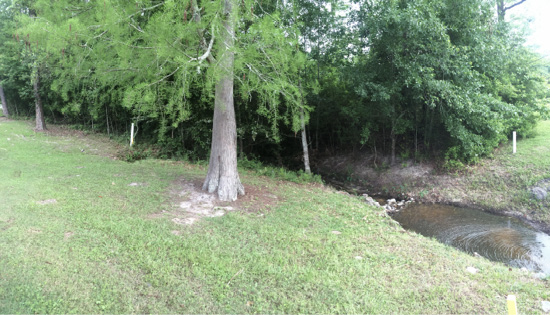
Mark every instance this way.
x=514 y=141
x=132 y=135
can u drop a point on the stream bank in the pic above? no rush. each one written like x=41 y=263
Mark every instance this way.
x=491 y=186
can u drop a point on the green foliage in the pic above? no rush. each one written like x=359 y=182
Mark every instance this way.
x=431 y=76
x=439 y=65
x=135 y=153
x=281 y=173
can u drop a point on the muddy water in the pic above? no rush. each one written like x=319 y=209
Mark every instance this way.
x=497 y=238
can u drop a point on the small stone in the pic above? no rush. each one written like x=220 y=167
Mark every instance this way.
x=539 y=193
x=523 y=269
x=472 y=270
x=218 y=213
x=539 y=275
x=370 y=201
x=545 y=306
x=336 y=232
x=47 y=202
x=358 y=257
x=185 y=205
x=133 y=184
x=224 y=208
x=68 y=235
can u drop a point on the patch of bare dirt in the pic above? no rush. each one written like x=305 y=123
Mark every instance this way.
x=87 y=142
x=189 y=203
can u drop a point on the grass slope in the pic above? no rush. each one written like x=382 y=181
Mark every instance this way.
x=503 y=183
x=97 y=249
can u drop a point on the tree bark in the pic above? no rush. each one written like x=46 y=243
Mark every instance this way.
x=40 y=122
x=304 y=135
x=222 y=175
x=393 y=142
x=4 y=103
x=304 y=142
x=500 y=10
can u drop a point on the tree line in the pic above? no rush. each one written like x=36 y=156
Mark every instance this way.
x=277 y=80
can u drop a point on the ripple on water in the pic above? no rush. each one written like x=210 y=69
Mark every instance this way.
x=497 y=238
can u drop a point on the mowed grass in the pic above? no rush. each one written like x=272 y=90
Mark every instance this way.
x=97 y=249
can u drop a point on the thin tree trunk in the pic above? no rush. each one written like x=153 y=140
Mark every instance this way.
x=107 y=119
x=304 y=142
x=40 y=122
x=222 y=175
x=392 y=136
x=304 y=135
x=4 y=103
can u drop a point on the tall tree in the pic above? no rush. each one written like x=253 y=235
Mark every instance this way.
x=222 y=175
x=163 y=60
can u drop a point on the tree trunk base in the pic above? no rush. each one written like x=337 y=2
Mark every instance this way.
x=229 y=187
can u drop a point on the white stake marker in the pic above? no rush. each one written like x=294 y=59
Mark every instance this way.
x=514 y=141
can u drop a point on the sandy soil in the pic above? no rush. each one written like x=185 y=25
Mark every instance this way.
x=189 y=203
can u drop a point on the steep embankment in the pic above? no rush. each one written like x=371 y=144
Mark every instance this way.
x=502 y=184
x=82 y=232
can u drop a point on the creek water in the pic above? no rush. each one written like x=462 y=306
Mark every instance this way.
x=495 y=237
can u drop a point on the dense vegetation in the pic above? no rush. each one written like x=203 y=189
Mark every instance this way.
x=405 y=78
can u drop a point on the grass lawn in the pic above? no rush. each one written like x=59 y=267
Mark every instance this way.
x=75 y=237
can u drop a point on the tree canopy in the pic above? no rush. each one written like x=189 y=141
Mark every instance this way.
x=418 y=77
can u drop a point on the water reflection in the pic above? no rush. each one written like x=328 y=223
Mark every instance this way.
x=498 y=238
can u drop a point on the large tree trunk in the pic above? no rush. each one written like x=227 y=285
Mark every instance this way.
x=40 y=122
x=222 y=175
x=4 y=103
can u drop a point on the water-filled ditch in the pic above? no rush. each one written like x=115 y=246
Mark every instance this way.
x=495 y=237
x=498 y=238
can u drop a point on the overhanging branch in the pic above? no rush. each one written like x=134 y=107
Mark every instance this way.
x=514 y=5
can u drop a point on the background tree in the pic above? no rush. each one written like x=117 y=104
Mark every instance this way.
x=438 y=78
x=159 y=58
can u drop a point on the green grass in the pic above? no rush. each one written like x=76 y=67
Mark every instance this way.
x=97 y=250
